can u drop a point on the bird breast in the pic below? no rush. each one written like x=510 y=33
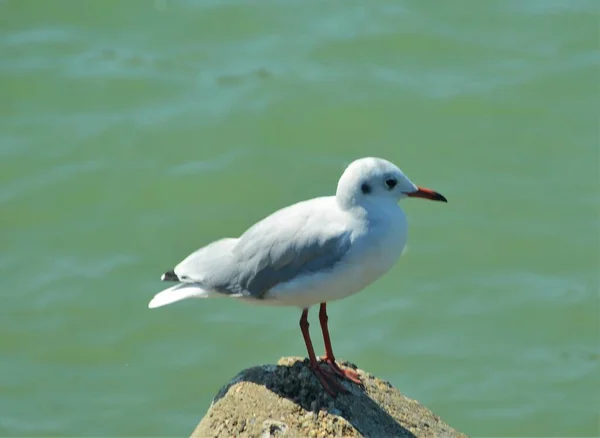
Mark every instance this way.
x=382 y=244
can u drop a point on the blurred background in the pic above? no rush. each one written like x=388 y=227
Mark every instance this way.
x=133 y=132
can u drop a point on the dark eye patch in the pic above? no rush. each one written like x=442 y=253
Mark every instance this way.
x=365 y=188
x=391 y=183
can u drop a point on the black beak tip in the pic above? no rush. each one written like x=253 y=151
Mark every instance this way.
x=440 y=198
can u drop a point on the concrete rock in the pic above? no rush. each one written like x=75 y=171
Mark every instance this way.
x=286 y=400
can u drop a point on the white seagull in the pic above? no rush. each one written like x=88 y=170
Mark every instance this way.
x=308 y=253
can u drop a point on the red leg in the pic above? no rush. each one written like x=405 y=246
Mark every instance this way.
x=329 y=357
x=328 y=381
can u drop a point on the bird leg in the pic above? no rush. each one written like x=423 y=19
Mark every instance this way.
x=329 y=358
x=327 y=379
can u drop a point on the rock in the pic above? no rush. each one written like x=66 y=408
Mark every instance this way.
x=286 y=400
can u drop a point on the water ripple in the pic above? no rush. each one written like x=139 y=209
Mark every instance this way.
x=41 y=181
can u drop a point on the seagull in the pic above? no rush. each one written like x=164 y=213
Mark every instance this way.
x=312 y=252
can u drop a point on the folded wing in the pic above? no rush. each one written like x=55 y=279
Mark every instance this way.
x=295 y=241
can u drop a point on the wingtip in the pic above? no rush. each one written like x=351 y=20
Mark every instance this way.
x=169 y=276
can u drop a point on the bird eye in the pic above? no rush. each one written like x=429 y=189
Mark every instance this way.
x=391 y=183
x=365 y=188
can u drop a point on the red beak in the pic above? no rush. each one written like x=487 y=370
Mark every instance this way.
x=427 y=194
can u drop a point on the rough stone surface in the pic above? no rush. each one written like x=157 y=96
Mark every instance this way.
x=286 y=400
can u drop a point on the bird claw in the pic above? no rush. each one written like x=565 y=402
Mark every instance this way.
x=328 y=381
x=347 y=374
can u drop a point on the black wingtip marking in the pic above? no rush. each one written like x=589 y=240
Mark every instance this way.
x=169 y=276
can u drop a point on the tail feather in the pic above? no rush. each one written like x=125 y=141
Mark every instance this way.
x=176 y=293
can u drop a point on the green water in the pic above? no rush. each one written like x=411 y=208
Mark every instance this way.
x=133 y=132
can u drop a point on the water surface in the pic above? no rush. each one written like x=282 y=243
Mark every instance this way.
x=133 y=132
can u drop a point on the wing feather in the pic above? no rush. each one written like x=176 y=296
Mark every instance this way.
x=300 y=239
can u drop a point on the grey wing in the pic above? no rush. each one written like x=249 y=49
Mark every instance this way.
x=291 y=242
x=286 y=246
x=201 y=265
